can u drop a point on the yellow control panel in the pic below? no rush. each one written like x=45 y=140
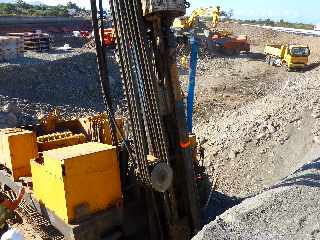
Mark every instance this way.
x=78 y=180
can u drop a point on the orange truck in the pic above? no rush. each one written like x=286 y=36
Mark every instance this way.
x=109 y=36
x=228 y=44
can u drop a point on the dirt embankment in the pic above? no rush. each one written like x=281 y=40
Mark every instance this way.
x=259 y=120
x=262 y=124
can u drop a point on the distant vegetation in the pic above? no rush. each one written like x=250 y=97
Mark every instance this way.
x=229 y=16
x=281 y=23
x=21 y=8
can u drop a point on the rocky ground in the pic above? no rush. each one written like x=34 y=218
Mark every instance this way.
x=288 y=210
x=262 y=124
x=260 y=121
x=40 y=82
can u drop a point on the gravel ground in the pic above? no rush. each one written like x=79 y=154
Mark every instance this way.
x=254 y=116
x=288 y=210
x=262 y=124
x=41 y=82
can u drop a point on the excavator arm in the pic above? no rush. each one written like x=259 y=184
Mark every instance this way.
x=187 y=23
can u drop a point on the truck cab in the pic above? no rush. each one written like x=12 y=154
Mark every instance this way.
x=292 y=56
x=296 y=56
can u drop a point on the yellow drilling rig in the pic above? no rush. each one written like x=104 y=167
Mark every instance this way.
x=88 y=178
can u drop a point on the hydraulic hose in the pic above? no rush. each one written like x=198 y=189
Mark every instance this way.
x=192 y=82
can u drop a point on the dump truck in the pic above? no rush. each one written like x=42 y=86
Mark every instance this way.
x=291 y=56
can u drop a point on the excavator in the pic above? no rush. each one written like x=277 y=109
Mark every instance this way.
x=92 y=180
x=187 y=23
x=184 y=26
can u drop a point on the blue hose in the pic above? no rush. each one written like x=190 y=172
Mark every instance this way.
x=192 y=81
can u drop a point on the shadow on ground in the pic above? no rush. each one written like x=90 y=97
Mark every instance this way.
x=308 y=175
x=312 y=66
x=214 y=203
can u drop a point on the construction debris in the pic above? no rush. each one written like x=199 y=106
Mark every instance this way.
x=11 y=48
x=66 y=47
x=8 y=118
x=37 y=41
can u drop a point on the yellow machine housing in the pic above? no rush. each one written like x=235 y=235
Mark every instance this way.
x=59 y=140
x=17 y=148
x=77 y=181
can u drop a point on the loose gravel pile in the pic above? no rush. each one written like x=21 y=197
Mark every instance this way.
x=288 y=210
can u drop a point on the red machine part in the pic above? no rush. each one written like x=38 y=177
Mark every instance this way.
x=109 y=37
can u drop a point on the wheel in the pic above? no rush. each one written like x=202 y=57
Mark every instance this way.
x=228 y=51
x=272 y=61
x=267 y=59
x=236 y=52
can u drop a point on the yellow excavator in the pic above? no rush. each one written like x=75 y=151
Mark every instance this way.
x=186 y=23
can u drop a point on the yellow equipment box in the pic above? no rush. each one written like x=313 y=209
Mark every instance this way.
x=17 y=148
x=77 y=181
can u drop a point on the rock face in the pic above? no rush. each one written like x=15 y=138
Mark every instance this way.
x=288 y=210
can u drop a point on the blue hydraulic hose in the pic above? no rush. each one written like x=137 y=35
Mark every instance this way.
x=192 y=81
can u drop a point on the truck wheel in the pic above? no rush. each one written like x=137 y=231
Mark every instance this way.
x=228 y=52
x=268 y=59
x=272 y=61
x=236 y=52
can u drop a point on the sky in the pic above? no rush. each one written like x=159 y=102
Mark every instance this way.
x=290 y=10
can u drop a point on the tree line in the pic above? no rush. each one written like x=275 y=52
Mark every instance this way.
x=21 y=8
x=281 y=23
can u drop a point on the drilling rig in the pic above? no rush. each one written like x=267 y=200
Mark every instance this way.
x=89 y=179
x=147 y=53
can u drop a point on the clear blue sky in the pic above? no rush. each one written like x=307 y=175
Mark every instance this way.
x=307 y=11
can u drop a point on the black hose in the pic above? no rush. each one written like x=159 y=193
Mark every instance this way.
x=102 y=68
